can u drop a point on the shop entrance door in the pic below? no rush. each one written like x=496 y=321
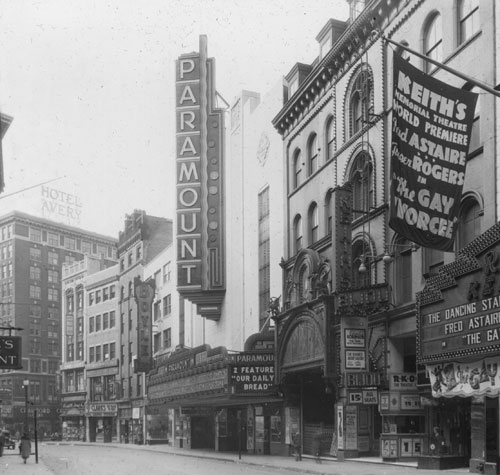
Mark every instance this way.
x=202 y=433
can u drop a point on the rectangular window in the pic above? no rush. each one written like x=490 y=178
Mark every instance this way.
x=69 y=243
x=167 y=305
x=156 y=311
x=86 y=247
x=53 y=312
x=112 y=351
x=105 y=351
x=97 y=296
x=35 y=328
x=35 y=254
x=35 y=273
x=35 y=292
x=105 y=321
x=112 y=292
x=53 y=276
x=167 y=338
x=157 y=278
x=138 y=253
x=35 y=311
x=112 y=319
x=52 y=239
x=105 y=294
x=167 y=273
x=156 y=342
x=98 y=353
x=35 y=235
x=91 y=354
x=91 y=298
x=53 y=258
x=53 y=294
x=91 y=324
x=79 y=350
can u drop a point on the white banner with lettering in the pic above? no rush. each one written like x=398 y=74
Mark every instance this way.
x=465 y=379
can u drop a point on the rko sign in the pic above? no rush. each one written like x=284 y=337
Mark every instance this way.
x=10 y=352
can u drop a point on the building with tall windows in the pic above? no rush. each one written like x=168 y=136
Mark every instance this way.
x=351 y=331
x=32 y=253
x=89 y=340
x=142 y=239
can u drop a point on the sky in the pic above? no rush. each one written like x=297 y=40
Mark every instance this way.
x=90 y=86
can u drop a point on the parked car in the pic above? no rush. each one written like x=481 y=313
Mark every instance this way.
x=9 y=442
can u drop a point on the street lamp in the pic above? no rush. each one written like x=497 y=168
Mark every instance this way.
x=26 y=384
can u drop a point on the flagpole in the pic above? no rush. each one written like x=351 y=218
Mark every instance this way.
x=446 y=68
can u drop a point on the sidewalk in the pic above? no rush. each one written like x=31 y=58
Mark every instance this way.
x=13 y=464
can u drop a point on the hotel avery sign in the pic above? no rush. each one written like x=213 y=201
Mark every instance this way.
x=199 y=129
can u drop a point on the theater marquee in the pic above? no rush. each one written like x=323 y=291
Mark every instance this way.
x=200 y=212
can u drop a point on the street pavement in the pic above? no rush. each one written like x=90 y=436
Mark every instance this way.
x=12 y=464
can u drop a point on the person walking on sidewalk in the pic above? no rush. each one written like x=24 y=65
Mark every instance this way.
x=25 y=446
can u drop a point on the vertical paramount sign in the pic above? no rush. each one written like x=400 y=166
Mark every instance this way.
x=200 y=212
x=431 y=126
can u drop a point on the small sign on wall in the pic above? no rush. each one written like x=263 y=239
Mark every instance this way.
x=355 y=359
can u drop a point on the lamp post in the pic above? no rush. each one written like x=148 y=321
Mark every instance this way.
x=26 y=384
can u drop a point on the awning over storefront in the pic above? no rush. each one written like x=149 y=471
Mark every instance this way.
x=73 y=412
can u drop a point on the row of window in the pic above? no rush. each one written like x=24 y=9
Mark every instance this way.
x=104 y=352
x=36 y=293
x=36 y=274
x=74 y=381
x=104 y=294
x=163 y=276
x=36 y=346
x=108 y=320
x=52 y=257
x=467 y=23
x=129 y=260
x=35 y=328
x=70 y=243
x=36 y=311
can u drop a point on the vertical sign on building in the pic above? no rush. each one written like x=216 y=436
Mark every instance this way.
x=200 y=211
x=144 y=295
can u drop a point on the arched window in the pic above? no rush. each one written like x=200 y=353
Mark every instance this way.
x=403 y=253
x=297 y=233
x=468 y=19
x=330 y=137
x=361 y=178
x=313 y=223
x=297 y=168
x=312 y=153
x=329 y=212
x=469 y=226
x=433 y=41
x=361 y=266
x=360 y=101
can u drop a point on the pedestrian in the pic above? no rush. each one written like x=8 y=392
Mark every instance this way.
x=25 y=446
x=2 y=442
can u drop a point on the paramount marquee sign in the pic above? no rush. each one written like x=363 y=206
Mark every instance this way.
x=200 y=211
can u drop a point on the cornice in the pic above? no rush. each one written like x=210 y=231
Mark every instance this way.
x=358 y=37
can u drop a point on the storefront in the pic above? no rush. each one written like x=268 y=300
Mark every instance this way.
x=458 y=337
x=73 y=420
x=208 y=399
x=101 y=421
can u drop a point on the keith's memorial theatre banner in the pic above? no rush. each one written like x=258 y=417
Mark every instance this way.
x=431 y=128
